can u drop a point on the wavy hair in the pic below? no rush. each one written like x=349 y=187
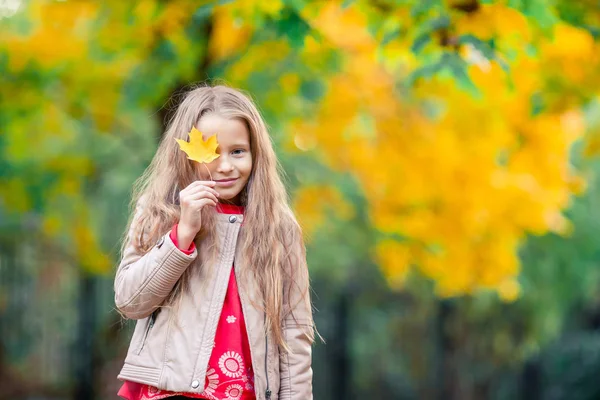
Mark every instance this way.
x=270 y=227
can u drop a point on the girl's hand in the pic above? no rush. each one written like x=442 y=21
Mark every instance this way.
x=191 y=200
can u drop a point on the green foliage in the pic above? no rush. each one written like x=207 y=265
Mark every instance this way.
x=80 y=126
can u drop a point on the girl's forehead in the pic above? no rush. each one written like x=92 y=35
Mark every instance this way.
x=227 y=130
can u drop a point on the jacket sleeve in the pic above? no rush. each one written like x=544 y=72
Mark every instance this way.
x=295 y=366
x=143 y=281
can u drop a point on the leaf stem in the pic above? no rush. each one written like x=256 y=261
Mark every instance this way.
x=205 y=166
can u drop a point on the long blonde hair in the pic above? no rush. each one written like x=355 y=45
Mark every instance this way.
x=270 y=228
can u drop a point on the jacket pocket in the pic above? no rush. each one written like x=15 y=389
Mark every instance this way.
x=149 y=326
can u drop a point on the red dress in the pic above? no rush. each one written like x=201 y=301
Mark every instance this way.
x=229 y=375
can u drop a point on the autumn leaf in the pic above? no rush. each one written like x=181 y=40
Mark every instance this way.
x=199 y=150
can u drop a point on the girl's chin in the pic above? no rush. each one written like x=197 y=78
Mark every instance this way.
x=225 y=195
x=229 y=195
x=232 y=201
x=227 y=198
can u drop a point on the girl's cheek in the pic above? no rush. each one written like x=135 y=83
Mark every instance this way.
x=203 y=172
x=249 y=165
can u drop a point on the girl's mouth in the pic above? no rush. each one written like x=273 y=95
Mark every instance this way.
x=226 y=182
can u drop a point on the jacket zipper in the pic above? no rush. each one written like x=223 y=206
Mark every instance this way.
x=268 y=391
x=150 y=325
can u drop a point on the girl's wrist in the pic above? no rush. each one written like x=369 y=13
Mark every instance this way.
x=185 y=236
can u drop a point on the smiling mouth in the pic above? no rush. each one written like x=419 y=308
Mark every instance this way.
x=226 y=180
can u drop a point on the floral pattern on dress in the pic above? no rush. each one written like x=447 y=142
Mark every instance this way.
x=231 y=364
x=212 y=383
x=234 y=392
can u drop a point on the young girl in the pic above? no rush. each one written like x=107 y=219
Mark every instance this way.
x=213 y=266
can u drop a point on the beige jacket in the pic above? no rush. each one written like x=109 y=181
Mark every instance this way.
x=171 y=349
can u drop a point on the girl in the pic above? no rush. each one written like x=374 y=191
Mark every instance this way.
x=213 y=266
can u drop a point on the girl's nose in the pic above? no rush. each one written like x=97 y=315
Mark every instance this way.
x=224 y=164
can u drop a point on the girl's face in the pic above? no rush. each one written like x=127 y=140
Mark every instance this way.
x=234 y=165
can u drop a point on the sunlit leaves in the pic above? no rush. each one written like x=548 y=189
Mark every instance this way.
x=473 y=156
x=456 y=119
x=73 y=73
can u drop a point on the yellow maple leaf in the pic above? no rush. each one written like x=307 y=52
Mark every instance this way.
x=199 y=150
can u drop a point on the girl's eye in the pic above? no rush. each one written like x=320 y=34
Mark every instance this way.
x=237 y=152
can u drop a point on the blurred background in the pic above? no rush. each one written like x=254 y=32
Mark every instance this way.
x=441 y=155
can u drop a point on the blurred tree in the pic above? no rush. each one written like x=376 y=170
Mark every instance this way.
x=456 y=118
x=430 y=134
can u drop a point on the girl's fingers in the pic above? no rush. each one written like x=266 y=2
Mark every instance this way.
x=195 y=184
x=200 y=193
x=199 y=187
x=205 y=202
x=205 y=194
x=206 y=183
x=202 y=183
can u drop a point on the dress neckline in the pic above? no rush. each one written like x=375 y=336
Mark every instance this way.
x=223 y=208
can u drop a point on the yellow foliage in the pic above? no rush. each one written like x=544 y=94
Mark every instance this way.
x=52 y=225
x=229 y=34
x=289 y=83
x=395 y=260
x=465 y=185
x=462 y=177
x=91 y=48
x=88 y=253
x=174 y=16
x=314 y=204
x=343 y=27
x=497 y=21
x=60 y=33
x=274 y=51
x=255 y=9
x=14 y=196
x=570 y=43
x=572 y=55
x=509 y=290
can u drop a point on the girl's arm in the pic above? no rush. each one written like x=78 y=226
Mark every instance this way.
x=298 y=330
x=143 y=281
